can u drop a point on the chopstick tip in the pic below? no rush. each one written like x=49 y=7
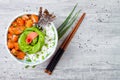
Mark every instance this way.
x=46 y=71
x=49 y=72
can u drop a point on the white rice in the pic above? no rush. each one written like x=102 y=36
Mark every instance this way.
x=46 y=49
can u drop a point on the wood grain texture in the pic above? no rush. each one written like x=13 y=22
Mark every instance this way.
x=93 y=54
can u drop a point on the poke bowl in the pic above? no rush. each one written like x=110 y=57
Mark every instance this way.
x=28 y=43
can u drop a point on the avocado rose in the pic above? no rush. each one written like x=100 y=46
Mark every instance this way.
x=31 y=40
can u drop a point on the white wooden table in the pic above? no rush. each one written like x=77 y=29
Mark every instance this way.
x=94 y=53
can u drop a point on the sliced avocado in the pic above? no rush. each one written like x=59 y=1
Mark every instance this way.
x=36 y=44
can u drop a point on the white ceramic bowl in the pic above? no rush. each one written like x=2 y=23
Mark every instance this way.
x=23 y=62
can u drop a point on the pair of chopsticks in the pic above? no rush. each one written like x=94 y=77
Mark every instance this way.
x=49 y=69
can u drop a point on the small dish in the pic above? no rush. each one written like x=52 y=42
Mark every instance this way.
x=46 y=54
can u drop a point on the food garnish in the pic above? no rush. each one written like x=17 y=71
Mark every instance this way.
x=44 y=17
x=64 y=27
x=30 y=37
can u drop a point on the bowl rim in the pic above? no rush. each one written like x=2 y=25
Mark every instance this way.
x=31 y=64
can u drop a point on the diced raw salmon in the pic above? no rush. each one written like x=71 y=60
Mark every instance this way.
x=20 y=55
x=34 y=18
